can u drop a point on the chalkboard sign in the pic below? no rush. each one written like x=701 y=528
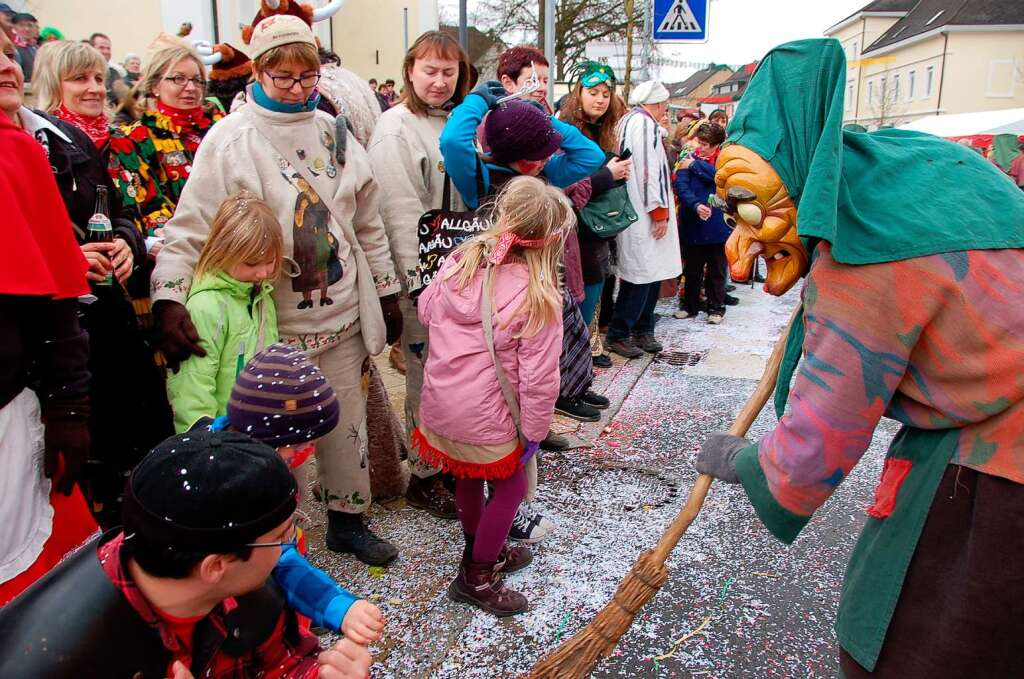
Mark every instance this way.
x=440 y=232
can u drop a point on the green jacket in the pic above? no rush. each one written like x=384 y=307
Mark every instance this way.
x=234 y=324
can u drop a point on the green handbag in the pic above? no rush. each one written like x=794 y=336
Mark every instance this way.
x=610 y=213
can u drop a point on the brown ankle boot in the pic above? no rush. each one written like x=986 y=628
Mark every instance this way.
x=480 y=584
x=511 y=558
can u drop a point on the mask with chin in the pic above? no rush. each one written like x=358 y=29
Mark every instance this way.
x=763 y=220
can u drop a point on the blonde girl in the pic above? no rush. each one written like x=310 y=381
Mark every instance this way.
x=231 y=306
x=513 y=268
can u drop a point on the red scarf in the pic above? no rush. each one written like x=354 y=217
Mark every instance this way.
x=96 y=127
x=189 y=122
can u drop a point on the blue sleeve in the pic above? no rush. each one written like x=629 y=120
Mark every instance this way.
x=579 y=159
x=703 y=169
x=458 y=148
x=310 y=591
x=688 y=200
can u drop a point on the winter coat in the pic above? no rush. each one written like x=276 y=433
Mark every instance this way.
x=406 y=161
x=578 y=159
x=459 y=371
x=234 y=325
x=641 y=258
x=235 y=155
x=350 y=96
x=129 y=413
x=693 y=186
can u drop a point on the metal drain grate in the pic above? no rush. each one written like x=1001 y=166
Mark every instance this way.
x=627 y=488
x=680 y=357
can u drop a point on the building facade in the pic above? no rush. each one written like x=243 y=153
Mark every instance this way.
x=726 y=95
x=908 y=59
x=688 y=93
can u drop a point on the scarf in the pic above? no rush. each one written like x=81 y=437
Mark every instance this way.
x=96 y=127
x=260 y=96
x=188 y=120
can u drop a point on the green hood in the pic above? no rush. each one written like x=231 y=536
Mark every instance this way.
x=875 y=196
x=224 y=283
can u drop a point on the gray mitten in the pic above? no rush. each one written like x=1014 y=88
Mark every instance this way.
x=717 y=456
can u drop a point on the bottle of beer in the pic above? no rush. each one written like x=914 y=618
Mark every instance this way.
x=100 y=229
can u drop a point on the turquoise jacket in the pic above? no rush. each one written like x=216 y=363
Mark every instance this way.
x=235 y=321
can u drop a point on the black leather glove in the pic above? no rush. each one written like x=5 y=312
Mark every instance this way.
x=66 y=442
x=717 y=456
x=490 y=91
x=392 y=317
x=178 y=338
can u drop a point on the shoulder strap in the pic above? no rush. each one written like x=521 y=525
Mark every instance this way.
x=487 y=320
x=293 y=160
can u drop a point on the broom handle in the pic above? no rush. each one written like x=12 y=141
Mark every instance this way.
x=739 y=428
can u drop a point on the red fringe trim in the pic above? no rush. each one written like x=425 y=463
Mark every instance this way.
x=499 y=469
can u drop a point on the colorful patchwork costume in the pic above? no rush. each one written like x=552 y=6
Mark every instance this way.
x=913 y=309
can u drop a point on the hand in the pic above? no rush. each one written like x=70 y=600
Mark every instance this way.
x=66 y=442
x=717 y=456
x=345 y=660
x=686 y=162
x=97 y=256
x=704 y=211
x=179 y=671
x=659 y=228
x=620 y=168
x=490 y=91
x=122 y=260
x=392 y=317
x=531 y=449
x=178 y=338
x=363 y=623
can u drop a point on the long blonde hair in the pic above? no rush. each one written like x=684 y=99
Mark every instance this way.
x=532 y=210
x=60 y=61
x=245 y=229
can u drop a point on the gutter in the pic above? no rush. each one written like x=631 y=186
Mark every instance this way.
x=942 y=75
x=981 y=28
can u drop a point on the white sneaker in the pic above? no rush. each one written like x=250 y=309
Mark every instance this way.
x=715 y=319
x=529 y=525
x=682 y=313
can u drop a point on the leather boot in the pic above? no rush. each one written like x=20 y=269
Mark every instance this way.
x=431 y=495
x=346 y=533
x=511 y=558
x=479 y=583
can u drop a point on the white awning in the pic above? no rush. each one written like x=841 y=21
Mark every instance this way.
x=1006 y=121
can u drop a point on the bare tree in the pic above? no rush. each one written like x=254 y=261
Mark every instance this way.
x=885 y=102
x=577 y=22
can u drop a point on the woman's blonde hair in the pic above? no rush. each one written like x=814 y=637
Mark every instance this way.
x=532 y=210
x=245 y=229
x=59 y=61
x=160 y=63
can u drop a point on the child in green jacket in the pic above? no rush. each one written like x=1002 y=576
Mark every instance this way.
x=231 y=306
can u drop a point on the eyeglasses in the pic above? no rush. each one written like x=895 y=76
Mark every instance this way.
x=286 y=82
x=292 y=541
x=181 y=81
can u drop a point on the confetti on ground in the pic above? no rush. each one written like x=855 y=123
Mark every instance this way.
x=776 y=620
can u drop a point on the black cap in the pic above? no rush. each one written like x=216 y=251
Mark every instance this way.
x=24 y=16
x=208 y=492
x=6 y=9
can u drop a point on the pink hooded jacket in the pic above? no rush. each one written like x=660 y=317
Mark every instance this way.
x=461 y=398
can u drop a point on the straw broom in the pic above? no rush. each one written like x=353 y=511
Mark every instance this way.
x=576 y=658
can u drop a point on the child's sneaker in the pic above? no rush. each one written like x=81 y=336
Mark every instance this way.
x=715 y=319
x=529 y=525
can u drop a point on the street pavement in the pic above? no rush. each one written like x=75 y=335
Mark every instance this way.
x=738 y=603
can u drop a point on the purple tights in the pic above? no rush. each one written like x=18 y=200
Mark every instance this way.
x=489 y=524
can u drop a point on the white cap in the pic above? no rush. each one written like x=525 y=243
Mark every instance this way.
x=278 y=30
x=650 y=92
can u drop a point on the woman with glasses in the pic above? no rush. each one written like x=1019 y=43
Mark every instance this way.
x=151 y=158
x=339 y=300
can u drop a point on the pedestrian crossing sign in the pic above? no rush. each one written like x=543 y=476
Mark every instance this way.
x=681 y=20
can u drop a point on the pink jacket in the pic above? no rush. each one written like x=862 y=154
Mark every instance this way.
x=461 y=398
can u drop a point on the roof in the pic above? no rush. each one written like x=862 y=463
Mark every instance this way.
x=742 y=74
x=878 y=7
x=681 y=89
x=479 y=42
x=934 y=15
x=718 y=99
